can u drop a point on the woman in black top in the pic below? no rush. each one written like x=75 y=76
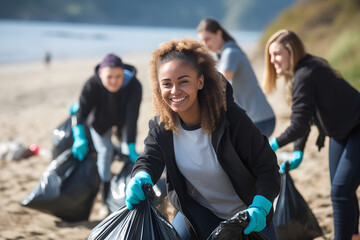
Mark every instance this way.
x=217 y=161
x=320 y=96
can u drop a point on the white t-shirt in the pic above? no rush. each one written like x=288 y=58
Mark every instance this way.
x=206 y=181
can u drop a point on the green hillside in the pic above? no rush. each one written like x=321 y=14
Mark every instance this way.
x=330 y=29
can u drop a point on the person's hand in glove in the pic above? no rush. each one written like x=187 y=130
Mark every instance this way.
x=294 y=162
x=132 y=152
x=74 y=108
x=134 y=193
x=274 y=144
x=258 y=211
x=80 y=145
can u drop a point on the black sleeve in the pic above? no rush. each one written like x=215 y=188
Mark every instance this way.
x=303 y=108
x=299 y=144
x=151 y=160
x=255 y=151
x=132 y=110
x=87 y=101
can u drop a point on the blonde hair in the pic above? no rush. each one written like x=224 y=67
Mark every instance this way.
x=212 y=98
x=296 y=49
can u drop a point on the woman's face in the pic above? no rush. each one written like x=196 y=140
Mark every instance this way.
x=279 y=57
x=112 y=78
x=179 y=85
x=213 y=41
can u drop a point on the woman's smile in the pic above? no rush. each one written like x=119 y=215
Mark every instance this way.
x=179 y=86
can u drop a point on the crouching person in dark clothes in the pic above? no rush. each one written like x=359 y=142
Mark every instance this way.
x=111 y=97
x=217 y=161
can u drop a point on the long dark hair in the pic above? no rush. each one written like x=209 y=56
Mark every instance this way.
x=211 y=25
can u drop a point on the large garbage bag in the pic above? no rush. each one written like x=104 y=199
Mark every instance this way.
x=67 y=188
x=63 y=137
x=233 y=228
x=116 y=195
x=293 y=218
x=143 y=222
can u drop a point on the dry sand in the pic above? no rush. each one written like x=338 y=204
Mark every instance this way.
x=35 y=99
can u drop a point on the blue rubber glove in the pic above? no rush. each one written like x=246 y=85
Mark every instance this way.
x=74 y=108
x=295 y=161
x=132 y=152
x=134 y=193
x=80 y=145
x=274 y=144
x=258 y=210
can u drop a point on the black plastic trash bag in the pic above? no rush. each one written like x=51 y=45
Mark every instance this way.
x=143 y=222
x=233 y=228
x=63 y=138
x=67 y=188
x=293 y=218
x=116 y=195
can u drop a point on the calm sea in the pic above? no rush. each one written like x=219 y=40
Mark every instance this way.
x=30 y=40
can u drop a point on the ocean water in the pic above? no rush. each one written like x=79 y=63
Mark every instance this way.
x=30 y=40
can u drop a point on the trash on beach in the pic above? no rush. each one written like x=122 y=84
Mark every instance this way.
x=233 y=228
x=293 y=218
x=67 y=188
x=142 y=222
x=15 y=150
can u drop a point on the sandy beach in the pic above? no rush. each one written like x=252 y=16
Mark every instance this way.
x=35 y=99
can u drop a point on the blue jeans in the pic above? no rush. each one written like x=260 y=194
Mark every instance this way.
x=207 y=222
x=105 y=153
x=266 y=127
x=344 y=166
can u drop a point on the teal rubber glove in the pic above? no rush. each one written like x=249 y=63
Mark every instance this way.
x=295 y=161
x=134 y=193
x=80 y=145
x=74 y=108
x=132 y=152
x=274 y=144
x=258 y=210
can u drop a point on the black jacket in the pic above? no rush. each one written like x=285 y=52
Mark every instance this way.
x=102 y=109
x=320 y=97
x=242 y=151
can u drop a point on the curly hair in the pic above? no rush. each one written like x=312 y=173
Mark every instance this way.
x=212 y=98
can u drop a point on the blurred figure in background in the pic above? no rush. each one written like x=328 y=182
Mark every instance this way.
x=111 y=97
x=320 y=96
x=235 y=66
x=47 y=58
x=217 y=162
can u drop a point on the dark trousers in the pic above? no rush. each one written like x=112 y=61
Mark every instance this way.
x=344 y=166
x=207 y=222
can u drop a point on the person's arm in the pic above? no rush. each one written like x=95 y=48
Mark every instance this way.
x=254 y=150
x=147 y=169
x=79 y=114
x=229 y=62
x=228 y=74
x=151 y=160
x=302 y=110
x=131 y=117
x=87 y=100
x=132 y=110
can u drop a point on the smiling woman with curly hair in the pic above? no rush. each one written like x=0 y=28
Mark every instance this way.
x=217 y=162
x=211 y=96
